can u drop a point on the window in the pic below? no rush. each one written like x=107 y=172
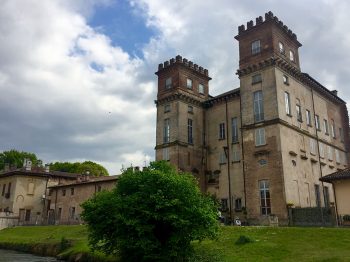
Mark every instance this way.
x=234 y=130
x=235 y=155
x=256 y=78
x=312 y=146
x=224 y=205
x=341 y=134
x=166 y=131
x=168 y=83
x=72 y=191
x=326 y=197
x=9 y=189
x=258 y=106
x=332 y=128
x=222 y=158
x=189 y=83
x=72 y=212
x=291 y=55
x=321 y=150
x=99 y=188
x=325 y=124
x=3 y=189
x=256 y=47
x=285 y=80
x=287 y=103
x=281 y=47
x=166 y=154
x=317 y=122
x=337 y=156
x=30 y=190
x=166 y=108
x=190 y=131
x=260 y=137
x=317 y=195
x=265 y=202
x=201 y=89
x=238 y=204
x=330 y=153
x=222 y=131
x=298 y=109
x=308 y=117
x=190 y=109
x=59 y=213
x=63 y=192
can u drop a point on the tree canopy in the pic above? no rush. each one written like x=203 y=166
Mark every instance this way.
x=16 y=158
x=151 y=215
x=93 y=168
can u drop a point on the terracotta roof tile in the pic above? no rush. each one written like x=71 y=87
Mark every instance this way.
x=339 y=175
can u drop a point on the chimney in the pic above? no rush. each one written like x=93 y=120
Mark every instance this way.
x=28 y=166
x=335 y=92
x=47 y=168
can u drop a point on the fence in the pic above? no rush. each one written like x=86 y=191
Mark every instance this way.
x=312 y=216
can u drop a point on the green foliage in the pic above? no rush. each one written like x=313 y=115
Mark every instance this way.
x=152 y=215
x=93 y=168
x=243 y=240
x=16 y=158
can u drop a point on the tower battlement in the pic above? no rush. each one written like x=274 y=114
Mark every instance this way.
x=269 y=17
x=179 y=60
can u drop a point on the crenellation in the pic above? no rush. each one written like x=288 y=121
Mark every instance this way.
x=160 y=66
x=172 y=61
x=250 y=24
x=201 y=70
x=180 y=60
x=259 y=20
x=190 y=64
x=195 y=67
x=166 y=63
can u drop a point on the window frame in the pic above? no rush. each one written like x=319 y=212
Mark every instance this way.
x=281 y=48
x=189 y=83
x=165 y=154
x=256 y=47
x=291 y=56
x=299 y=110
x=258 y=106
x=222 y=131
x=308 y=117
x=189 y=131
x=168 y=83
x=325 y=124
x=265 y=197
x=287 y=103
x=201 y=89
x=317 y=123
x=166 y=130
x=260 y=139
x=234 y=126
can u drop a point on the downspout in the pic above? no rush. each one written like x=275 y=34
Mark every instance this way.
x=318 y=151
x=228 y=163
x=242 y=144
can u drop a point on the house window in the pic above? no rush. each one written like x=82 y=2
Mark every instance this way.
x=190 y=109
x=265 y=203
x=166 y=108
x=224 y=205
x=317 y=122
x=189 y=83
x=308 y=117
x=168 y=83
x=27 y=216
x=325 y=124
x=72 y=212
x=166 y=131
x=9 y=189
x=291 y=55
x=72 y=191
x=321 y=150
x=287 y=103
x=330 y=153
x=258 y=106
x=256 y=78
x=317 y=195
x=99 y=188
x=337 y=156
x=312 y=146
x=260 y=137
x=222 y=131
x=30 y=190
x=332 y=128
x=234 y=130
x=281 y=47
x=285 y=80
x=201 y=89
x=63 y=192
x=238 y=204
x=166 y=154
x=298 y=109
x=341 y=134
x=326 y=196
x=3 y=189
x=235 y=154
x=256 y=47
x=222 y=158
x=190 y=131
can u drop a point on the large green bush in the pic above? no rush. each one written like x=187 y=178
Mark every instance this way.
x=152 y=215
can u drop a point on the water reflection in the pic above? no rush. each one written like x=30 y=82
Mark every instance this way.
x=14 y=256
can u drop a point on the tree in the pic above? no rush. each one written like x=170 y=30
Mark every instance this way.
x=16 y=158
x=151 y=215
x=93 y=168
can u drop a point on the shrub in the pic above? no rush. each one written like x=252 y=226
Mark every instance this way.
x=243 y=240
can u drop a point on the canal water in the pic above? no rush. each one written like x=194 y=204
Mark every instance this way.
x=14 y=256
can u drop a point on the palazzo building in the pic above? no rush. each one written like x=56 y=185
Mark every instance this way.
x=263 y=145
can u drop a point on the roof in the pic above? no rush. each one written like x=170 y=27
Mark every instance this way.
x=38 y=172
x=91 y=180
x=223 y=96
x=339 y=175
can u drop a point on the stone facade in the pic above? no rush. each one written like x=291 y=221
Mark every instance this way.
x=263 y=145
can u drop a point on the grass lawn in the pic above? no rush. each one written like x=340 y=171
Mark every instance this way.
x=268 y=244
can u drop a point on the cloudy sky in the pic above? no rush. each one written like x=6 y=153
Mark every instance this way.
x=77 y=76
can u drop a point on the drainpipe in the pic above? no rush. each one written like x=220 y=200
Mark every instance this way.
x=227 y=151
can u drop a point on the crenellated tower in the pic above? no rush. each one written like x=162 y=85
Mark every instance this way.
x=182 y=89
